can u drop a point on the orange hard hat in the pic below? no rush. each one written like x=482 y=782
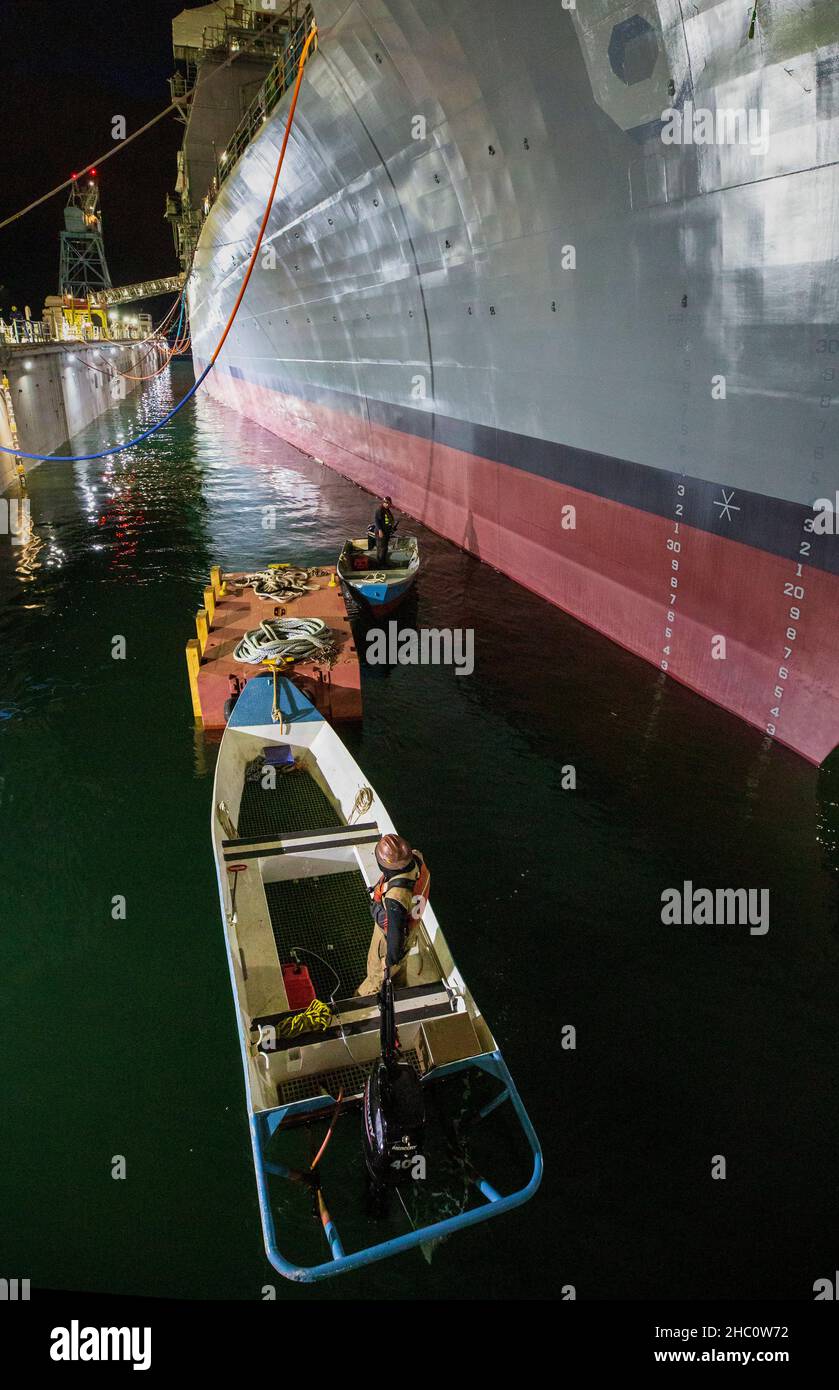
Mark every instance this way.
x=392 y=852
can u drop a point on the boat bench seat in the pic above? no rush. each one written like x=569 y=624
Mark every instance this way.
x=300 y=841
x=414 y=1004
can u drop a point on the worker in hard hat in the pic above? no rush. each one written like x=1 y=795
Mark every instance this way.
x=397 y=904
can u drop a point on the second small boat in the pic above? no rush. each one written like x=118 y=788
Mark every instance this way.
x=373 y=588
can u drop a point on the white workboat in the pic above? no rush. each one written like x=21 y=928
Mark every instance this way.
x=294 y=827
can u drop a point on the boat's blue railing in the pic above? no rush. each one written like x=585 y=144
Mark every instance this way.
x=265 y=1124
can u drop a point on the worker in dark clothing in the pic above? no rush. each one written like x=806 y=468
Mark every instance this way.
x=398 y=901
x=384 y=524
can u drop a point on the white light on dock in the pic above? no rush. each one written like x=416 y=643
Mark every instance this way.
x=28 y=365
x=71 y=357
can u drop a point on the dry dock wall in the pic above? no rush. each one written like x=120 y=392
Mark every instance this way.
x=56 y=389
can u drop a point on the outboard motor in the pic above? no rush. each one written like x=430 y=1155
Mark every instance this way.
x=393 y=1109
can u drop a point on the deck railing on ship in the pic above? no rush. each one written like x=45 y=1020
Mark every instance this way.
x=281 y=76
x=26 y=333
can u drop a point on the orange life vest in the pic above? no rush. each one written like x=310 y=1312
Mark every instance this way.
x=409 y=887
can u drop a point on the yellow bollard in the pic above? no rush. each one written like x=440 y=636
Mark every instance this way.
x=201 y=628
x=210 y=604
x=217 y=581
x=333 y=581
x=193 y=664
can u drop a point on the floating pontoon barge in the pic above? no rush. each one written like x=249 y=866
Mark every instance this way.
x=230 y=611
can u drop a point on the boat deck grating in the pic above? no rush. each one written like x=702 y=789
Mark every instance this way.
x=349 y=1079
x=296 y=802
x=330 y=917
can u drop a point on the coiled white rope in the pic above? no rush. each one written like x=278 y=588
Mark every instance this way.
x=279 y=584
x=286 y=639
x=363 y=802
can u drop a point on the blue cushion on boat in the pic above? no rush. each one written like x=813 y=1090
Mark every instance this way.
x=278 y=755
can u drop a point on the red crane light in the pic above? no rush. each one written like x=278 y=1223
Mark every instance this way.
x=92 y=171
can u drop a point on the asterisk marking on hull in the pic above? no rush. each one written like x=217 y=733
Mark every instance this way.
x=725 y=505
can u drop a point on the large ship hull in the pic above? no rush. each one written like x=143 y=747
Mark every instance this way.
x=602 y=363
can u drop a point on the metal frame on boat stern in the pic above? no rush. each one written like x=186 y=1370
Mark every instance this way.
x=265 y=1124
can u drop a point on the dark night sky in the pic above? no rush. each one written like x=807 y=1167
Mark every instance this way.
x=70 y=66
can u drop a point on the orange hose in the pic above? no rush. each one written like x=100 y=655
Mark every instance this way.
x=133 y=376
x=303 y=56
x=312 y=35
x=114 y=371
x=174 y=105
x=129 y=376
x=185 y=342
x=318 y=1155
x=180 y=346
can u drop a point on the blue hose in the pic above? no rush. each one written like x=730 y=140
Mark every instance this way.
x=118 y=448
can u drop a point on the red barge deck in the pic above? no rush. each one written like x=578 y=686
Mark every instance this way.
x=228 y=613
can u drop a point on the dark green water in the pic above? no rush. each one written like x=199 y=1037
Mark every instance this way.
x=118 y=1038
